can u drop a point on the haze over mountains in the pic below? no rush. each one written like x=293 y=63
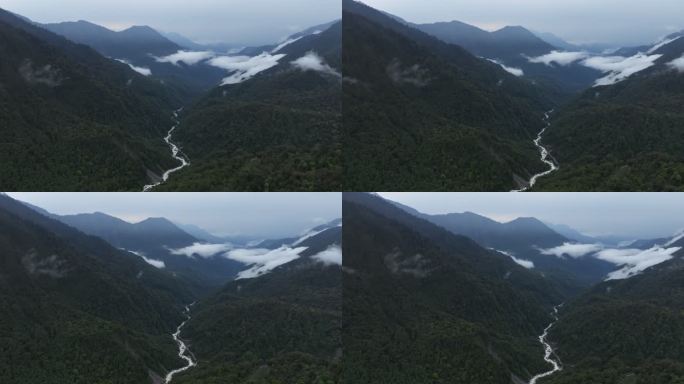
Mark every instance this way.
x=472 y=314
x=117 y=296
x=603 y=109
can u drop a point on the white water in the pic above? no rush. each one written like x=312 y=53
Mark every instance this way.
x=544 y=155
x=548 y=350
x=182 y=349
x=174 y=153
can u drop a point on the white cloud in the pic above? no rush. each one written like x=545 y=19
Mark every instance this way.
x=141 y=70
x=514 y=71
x=285 y=44
x=155 y=263
x=187 y=57
x=675 y=239
x=677 y=64
x=331 y=256
x=558 y=57
x=263 y=261
x=522 y=262
x=634 y=261
x=573 y=250
x=202 y=250
x=662 y=44
x=245 y=67
x=312 y=62
x=619 y=67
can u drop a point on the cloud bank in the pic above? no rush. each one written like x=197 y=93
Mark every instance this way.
x=202 y=250
x=559 y=58
x=634 y=261
x=263 y=261
x=619 y=67
x=331 y=256
x=573 y=250
x=677 y=64
x=285 y=44
x=312 y=62
x=522 y=262
x=662 y=44
x=187 y=57
x=141 y=70
x=513 y=71
x=155 y=263
x=245 y=67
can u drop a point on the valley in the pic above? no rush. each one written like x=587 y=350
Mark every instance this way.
x=463 y=298
x=175 y=153
x=456 y=106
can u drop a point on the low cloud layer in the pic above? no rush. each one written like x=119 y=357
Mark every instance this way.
x=677 y=64
x=155 y=263
x=559 y=58
x=263 y=261
x=331 y=256
x=187 y=57
x=522 y=262
x=618 y=67
x=513 y=71
x=202 y=250
x=141 y=70
x=312 y=62
x=572 y=250
x=634 y=261
x=285 y=44
x=662 y=44
x=245 y=67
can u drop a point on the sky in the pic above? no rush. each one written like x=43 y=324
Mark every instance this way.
x=618 y=22
x=242 y=22
x=632 y=215
x=261 y=215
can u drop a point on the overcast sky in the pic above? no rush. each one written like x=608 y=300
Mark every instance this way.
x=262 y=215
x=248 y=22
x=620 y=22
x=632 y=215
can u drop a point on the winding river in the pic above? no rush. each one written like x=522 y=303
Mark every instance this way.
x=548 y=350
x=183 y=352
x=544 y=155
x=175 y=153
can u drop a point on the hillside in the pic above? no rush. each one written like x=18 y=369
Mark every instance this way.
x=72 y=120
x=445 y=120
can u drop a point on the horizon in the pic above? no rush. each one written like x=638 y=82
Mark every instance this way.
x=205 y=22
x=629 y=215
x=575 y=21
x=257 y=215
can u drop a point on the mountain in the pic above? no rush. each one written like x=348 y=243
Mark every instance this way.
x=140 y=46
x=572 y=233
x=279 y=130
x=557 y=42
x=281 y=327
x=159 y=240
x=623 y=136
x=82 y=122
x=277 y=243
x=407 y=318
x=513 y=46
x=76 y=310
x=624 y=331
x=421 y=114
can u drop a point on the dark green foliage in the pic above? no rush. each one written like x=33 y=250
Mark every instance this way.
x=73 y=120
x=420 y=114
x=279 y=131
x=422 y=305
x=76 y=310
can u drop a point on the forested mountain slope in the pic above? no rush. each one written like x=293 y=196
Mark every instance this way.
x=443 y=118
x=71 y=119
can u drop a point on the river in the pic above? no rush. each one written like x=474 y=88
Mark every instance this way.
x=175 y=153
x=183 y=351
x=548 y=350
x=544 y=155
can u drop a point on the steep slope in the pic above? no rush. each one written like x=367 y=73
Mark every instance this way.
x=625 y=331
x=406 y=317
x=282 y=327
x=277 y=131
x=141 y=46
x=623 y=137
x=158 y=239
x=76 y=310
x=421 y=114
x=73 y=120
